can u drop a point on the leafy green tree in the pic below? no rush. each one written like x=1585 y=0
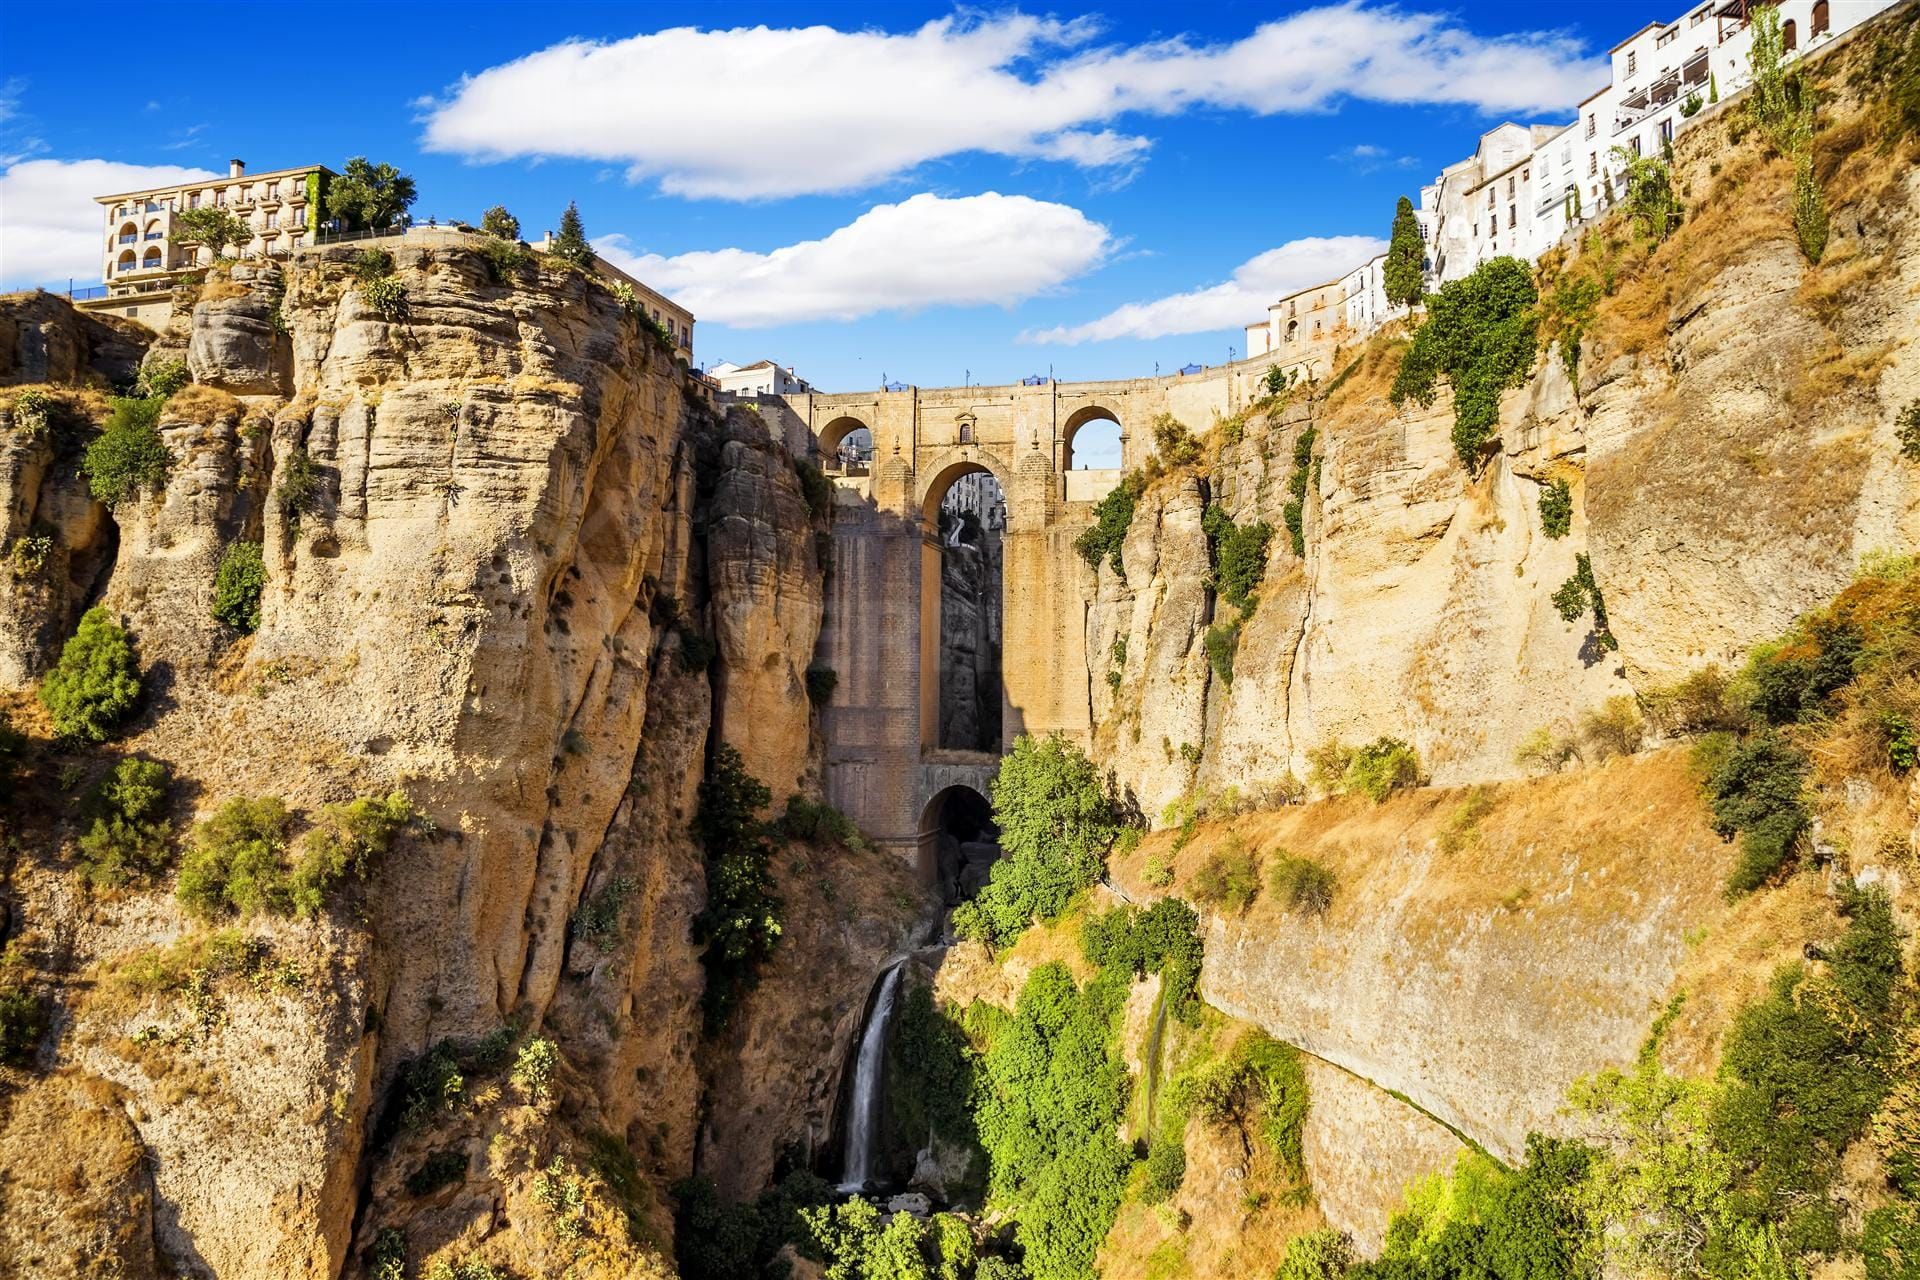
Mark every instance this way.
x=1556 y=509
x=1403 y=272
x=128 y=455
x=1650 y=201
x=570 y=242
x=237 y=585
x=234 y=865
x=1318 y=1255
x=1239 y=555
x=345 y=842
x=1112 y=517
x=498 y=222
x=127 y=834
x=370 y=195
x=211 y=227
x=1481 y=336
x=96 y=683
x=741 y=923
x=1056 y=824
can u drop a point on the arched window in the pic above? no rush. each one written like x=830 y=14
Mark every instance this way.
x=152 y=258
x=1293 y=330
x=1789 y=36
x=1822 y=19
x=966 y=433
x=128 y=233
x=126 y=261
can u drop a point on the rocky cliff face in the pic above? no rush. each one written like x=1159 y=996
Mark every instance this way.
x=496 y=526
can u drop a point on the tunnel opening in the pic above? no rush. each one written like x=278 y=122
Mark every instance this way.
x=966 y=841
x=970 y=529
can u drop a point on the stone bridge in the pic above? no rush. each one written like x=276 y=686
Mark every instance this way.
x=884 y=765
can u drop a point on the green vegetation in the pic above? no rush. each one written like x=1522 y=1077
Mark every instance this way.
x=299 y=490
x=1220 y=641
x=387 y=296
x=1304 y=884
x=1570 y=307
x=128 y=455
x=1782 y=106
x=1056 y=825
x=235 y=865
x=1173 y=443
x=1402 y=274
x=570 y=242
x=440 y=1168
x=498 y=222
x=1754 y=788
x=534 y=1066
x=23 y=1021
x=741 y=923
x=127 y=833
x=1650 y=201
x=1556 y=508
x=1581 y=594
x=855 y=1244
x=1907 y=429
x=162 y=379
x=1480 y=334
x=211 y=227
x=237 y=585
x=1238 y=556
x=714 y=1240
x=815 y=488
x=1259 y=1082
x=1381 y=767
x=369 y=195
x=697 y=651
x=371 y=264
x=1318 y=1255
x=598 y=919
x=1112 y=516
x=1298 y=480
x=95 y=685
x=1229 y=880
x=932 y=1073
x=1163 y=939
x=505 y=258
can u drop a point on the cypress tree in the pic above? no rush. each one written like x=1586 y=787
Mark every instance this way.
x=1405 y=254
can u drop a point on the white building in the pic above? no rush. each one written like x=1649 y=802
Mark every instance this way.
x=761 y=378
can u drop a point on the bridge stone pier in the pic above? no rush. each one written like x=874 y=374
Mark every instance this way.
x=884 y=765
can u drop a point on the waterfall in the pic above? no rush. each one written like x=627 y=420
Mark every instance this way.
x=863 y=1106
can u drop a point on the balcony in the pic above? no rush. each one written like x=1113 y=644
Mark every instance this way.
x=156 y=235
x=129 y=239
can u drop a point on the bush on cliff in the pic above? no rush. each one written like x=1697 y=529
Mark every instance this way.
x=95 y=685
x=234 y=864
x=127 y=833
x=1112 y=516
x=237 y=585
x=1480 y=335
x=741 y=923
x=1056 y=825
x=1239 y=555
x=128 y=455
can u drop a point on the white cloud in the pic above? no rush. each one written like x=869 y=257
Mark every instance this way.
x=925 y=251
x=759 y=112
x=1365 y=157
x=51 y=229
x=1256 y=284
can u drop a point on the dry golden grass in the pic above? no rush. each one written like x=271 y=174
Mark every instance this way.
x=221 y=288
x=204 y=405
x=1363 y=393
x=88 y=403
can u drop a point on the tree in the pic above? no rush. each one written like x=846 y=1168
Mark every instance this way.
x=212 y=227
x=1406 y=253
x=570 y=245
x=96 y=682
x=370 y=195
x=1481 y=335
x=498 y=222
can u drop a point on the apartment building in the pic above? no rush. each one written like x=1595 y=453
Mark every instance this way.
x=141 y=256
x=1300 y=322
x=761 y=378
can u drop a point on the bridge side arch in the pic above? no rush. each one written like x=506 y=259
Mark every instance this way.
x=1083 y=417
x=949 y=467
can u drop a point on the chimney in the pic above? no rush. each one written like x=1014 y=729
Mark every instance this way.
x=236 y=168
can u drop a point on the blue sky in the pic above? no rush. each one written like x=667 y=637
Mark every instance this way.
x=905 y=190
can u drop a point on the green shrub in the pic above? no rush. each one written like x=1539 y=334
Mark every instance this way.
x=346 y=841
x=598 y=919
x=741 y=923
x=234 y=864
x=1480 y=334
x=932 y=1074
x=440 y=1168
x=1581 y=593
x=818 y=822
x=23 y=1021
x=1056 y=825
x=1907 y=430
x=1700 y=702
x=163 y=378
x=1294 y=513
x=387 y=296
x=1261 y=1081
x=1158 y=871
x=127 y=834
x=1318 y=1255
x=1239 y=556
x=237 y=585
x=1615 y=728
x=387 y=1258
x=465 y=1269
x=697 y=651
x=1166 y=1169
x=534 y=1067
x=815 y=488
x=1556 y=508
x=370 y=265
x=1754 y=789
x=1381 y=767
x=1810 y=224
x=34 y=413
x=1304 y=884
x=1173 y=443
x=504 y=258
x=1164 y=939
x=1890 y=1239
x=1220 y=641
x=1791 y=679
x=821 y=682
x=128 y=455
x=1112 y=516
x=299 y=491
x=1650 y=201
x=1228 y=881
x=95 y=685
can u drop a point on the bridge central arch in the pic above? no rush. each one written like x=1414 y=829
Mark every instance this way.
x=962 y=607
x=1099 y=437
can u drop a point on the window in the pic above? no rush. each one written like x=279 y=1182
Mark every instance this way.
x=273 y=221
x=1513 y=215
x=966 y=433
x=1593 y=163
x=1633 y=59
x=1699 y=17
x=1666 y=132
x=1822 y=19
x=1666 y=37
x=193 y=201
x=1526 y=174
x=1509 y=186
x=1633 y=144
x=1789 y=36
x=300 y=216
x=1591 y=123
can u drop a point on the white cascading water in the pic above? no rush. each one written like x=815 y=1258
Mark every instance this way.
x=863 y=1109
